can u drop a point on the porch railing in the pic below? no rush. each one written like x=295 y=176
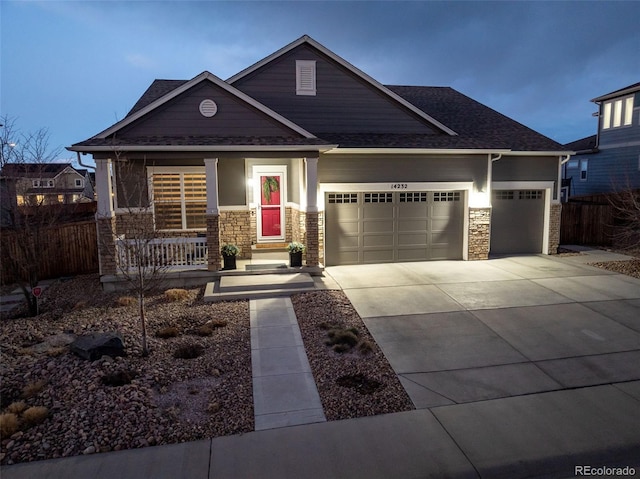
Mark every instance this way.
x=170 y=253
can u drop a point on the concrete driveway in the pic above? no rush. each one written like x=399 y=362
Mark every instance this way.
x=458 y=332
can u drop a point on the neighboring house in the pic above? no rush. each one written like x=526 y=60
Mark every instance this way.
x=303 y=146
x=47 y=183
x=610 y=160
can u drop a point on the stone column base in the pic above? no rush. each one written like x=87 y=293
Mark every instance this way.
x=555 y=216
x=106 y=245
x=214 y=260
x=479 y=233
x=312 y=239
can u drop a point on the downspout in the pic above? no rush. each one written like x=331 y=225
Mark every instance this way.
x=81 y=163
x=560 y=175
x=490 y=161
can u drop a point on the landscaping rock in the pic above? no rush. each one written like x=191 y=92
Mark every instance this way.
x=94 y=346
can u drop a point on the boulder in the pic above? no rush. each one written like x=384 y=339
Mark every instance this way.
x=94 y=346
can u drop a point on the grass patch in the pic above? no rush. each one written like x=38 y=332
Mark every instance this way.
x=188 y=351
x=176 y=294
x=16 y=407
x=35 y=415
x=8 y=424
x=168 y=332
x=126 y=301
x=33 y=388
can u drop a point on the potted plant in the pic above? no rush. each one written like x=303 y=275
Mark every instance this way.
x=295 y=253
x=229 y=252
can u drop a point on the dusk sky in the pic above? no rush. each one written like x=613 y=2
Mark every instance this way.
x=78 y=67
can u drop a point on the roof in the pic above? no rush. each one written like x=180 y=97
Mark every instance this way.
x=583 y=144
x=622 y=91
x=35 y=170
x=463 y=122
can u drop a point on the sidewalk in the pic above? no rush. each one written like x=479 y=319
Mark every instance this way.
x=539 y=435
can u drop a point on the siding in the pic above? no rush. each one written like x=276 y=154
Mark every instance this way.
x=608 y=170
x=343 y=101
x=414 y=168
x=181 y=117
x=527 y=168
x=623 y=135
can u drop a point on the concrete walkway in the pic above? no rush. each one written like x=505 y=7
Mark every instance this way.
x=520 y=367
x=284 y=391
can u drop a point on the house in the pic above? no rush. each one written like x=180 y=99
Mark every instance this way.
x=304 y=146
x=47 y=183
x=609 y=160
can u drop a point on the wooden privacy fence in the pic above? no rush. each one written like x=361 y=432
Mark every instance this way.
x=586 y=223
x=72 y=248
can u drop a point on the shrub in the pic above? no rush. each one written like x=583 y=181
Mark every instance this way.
x=33 y=388
x=188 y=351
x=126 y=301
x=176 y=294
x=342 y=336
x=365 y=347
x=360 y=383
x=35 y=415
x=216 y=323
x=8 y=424
x=204 y=330
x=119 y=378
x=17 y=407
x=168 y=332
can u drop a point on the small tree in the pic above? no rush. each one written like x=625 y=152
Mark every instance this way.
x=140 y=256
x=626 y=205
x=25 y=241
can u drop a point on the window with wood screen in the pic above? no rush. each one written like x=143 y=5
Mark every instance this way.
x=179 y=200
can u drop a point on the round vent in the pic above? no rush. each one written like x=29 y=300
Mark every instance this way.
x=208 y=108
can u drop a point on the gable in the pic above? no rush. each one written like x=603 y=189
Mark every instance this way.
x=181 y=116
x=343 y=101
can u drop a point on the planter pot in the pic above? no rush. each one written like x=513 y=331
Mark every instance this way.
x=229 y=261
x=295 y=259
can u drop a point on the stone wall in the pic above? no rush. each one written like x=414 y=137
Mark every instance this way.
x=554 y=227
x=214 y=261
x=312 y=239
x=236 y=227
x=133 y=224
x=106 y=245
x=479 y=233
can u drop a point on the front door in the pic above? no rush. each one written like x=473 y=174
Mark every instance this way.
x=271 y=206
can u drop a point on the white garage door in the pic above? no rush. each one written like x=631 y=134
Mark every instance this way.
x=384 y=227
x=517 y=221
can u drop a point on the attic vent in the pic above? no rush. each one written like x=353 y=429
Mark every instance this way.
x=305 y=77
x=208 y=108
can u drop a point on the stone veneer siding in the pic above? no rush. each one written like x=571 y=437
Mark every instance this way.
x=479 y=233
x=106 y=245
x=214 y=260
x=554 y=227
x=237 y=227
x=312 y=239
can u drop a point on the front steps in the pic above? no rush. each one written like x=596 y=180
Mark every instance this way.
x=254 y=286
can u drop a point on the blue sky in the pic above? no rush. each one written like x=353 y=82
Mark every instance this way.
x=78 y=67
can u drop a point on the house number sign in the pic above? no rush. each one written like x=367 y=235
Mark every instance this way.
x=399 y=186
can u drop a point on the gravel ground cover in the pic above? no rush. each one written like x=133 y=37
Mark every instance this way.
x=160 y=399
x=629 y=267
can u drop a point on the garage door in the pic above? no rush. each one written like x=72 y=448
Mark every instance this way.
x=384 y=227
x=517 y=221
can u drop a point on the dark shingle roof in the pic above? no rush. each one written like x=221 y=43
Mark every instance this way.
x=583 y=144
x=628 y=89
x=478 y=126
x=156 y=90
x=33 y=170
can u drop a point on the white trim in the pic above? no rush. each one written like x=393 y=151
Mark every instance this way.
x=208 y=148
x=191 y=83
x=534 y=185
x=234 y=208
x=356 y=71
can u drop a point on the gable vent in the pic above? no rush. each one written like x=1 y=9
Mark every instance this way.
x=208 y=108
x=305 y=77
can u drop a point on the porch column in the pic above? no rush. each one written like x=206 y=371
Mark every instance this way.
x=105 y=219
x=212 y=215
x=311 y=217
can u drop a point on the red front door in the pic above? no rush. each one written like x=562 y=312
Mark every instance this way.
x=271 y=205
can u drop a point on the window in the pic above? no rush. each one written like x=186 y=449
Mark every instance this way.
x=503 y=194
x=413 y=197
x=573 y=163
x=180 y=200
x=446 y=196
x=378 y=197
x=42 y=183
x=531 y=194
x=617 y=113
x=79 y=183
x=584 y=165
x=305 y=77
x=343 y=198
